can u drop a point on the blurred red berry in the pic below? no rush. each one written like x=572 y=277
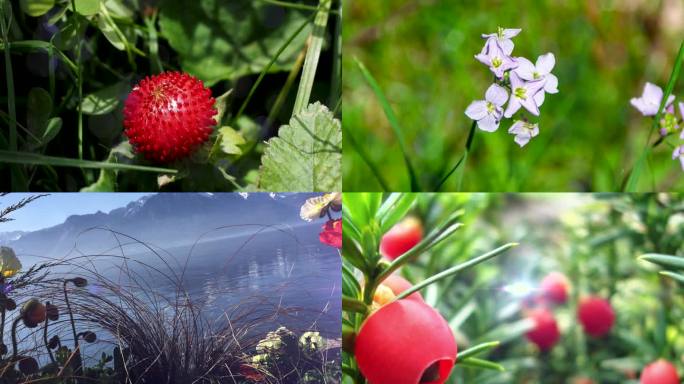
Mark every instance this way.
x=402 y=237
x=554 y=288
x=168 y=116
x=332 y=233
x=596 y=315
x=659 y=372
x=405 y=342
x=545 y=333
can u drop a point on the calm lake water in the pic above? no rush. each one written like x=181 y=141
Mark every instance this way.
x=288 y=268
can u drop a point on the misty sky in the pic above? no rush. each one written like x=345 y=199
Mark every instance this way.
x=54 y=209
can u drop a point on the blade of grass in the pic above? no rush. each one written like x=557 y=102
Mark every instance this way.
x=335 y=93
x=469 y=143
x=366 y=159
x=268 y=67
x=14 y=157
x=285 y=90
x=312 y=56
x=455 y=269
x=394 y=122
x=633 y=180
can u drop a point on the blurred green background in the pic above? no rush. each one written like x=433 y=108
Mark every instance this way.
x=421 y=53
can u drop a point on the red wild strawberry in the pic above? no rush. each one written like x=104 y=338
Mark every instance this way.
x=402 y=237
x=659 y=372
x=596 y=315
x=545 y=333
x=554 y=288
x=168 y=116
x=405 y=342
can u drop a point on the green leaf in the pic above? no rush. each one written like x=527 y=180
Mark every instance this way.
x=38 y=110
x=54 y=125
x=474 y=362
x=677 y=276
x=227 y=39
x=105 y=100
x=71 y=33
x=36 y=8
x=229 y=140
x=87 y=7
x=306 y=155
x=477 y=350
x=394 y=209
x=111 y=32
x=394 y=123
x=667 y=261
x=455 y=269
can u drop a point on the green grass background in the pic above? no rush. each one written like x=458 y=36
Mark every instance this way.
x=421 y=53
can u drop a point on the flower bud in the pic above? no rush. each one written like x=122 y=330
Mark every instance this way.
x=28 y=365
x=89 y=336
x=33 y=313
x=79 y=282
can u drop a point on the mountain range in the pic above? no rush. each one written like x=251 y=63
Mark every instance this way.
x=166 y=219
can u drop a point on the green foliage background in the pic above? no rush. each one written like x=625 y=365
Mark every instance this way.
x=421 y=53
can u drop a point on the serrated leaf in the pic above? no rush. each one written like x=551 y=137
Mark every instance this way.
x=306 y=155
x=105 y=100
x=229 y=140
x=36 y=8
x=87 y=7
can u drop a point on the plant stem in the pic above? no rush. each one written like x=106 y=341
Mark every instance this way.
x=14 y=337
x=312 y=56
x=6 y=22
x=469 y=143
x=45 y=338
x=632 y=182
x=77 y=350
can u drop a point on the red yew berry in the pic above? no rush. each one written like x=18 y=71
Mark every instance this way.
x=398 y=285
x=554 y=288
x=659 y=372
x=545 y=333
x=168 y=116
x=596 y=315
x=405 y=342
x=402 y=237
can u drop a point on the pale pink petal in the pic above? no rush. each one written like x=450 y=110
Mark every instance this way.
x=477 y=110
x=545 y=63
